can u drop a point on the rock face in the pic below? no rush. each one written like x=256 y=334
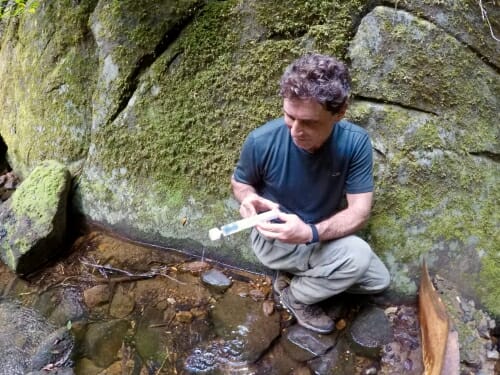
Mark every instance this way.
x=34 y=218
x=147 y=103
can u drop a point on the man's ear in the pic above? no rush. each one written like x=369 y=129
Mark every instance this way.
x=341 y=113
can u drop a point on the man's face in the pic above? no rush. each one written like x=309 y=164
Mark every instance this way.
x=309 y=122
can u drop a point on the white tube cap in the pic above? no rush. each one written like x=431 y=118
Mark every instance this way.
x=215 y=234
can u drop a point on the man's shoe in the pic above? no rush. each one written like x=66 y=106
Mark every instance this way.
x=281 y=281
x=308 y=316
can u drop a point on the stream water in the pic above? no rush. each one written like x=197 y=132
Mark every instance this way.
x=134 y=309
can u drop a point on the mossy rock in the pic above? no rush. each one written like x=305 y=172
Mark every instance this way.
x=435 y=148
x=34 y=218
x=148 y=103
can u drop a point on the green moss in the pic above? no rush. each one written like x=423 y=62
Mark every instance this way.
x=38 y=196
x=226 y=91
x=46 y=85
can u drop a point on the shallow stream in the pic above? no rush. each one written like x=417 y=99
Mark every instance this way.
x=140 y=310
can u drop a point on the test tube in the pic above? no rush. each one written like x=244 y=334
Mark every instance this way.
x=236 y=226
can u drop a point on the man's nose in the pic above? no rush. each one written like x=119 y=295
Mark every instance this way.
x=296 y=128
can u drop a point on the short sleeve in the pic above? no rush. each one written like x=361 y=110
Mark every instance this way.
x=360 y=171
x=247 y=170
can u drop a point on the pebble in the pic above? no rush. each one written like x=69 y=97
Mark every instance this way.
x=493 y=355
x=216 y=280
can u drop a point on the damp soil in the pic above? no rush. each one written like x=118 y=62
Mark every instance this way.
x=140 y=310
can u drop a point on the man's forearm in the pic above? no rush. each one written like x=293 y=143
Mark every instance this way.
x=347 y=221
x=341 y=224
x=240 y=190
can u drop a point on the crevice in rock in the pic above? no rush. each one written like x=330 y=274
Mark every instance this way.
x=8 y=180
x=147 y=60
x=380 y=152
x=4 y=166
x=388 y=102
x=456 y=36
x=358 y=17
x=487 y=154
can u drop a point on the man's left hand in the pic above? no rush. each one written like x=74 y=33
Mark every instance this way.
x=291 y=230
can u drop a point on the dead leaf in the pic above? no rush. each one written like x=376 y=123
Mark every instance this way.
x=268 y=307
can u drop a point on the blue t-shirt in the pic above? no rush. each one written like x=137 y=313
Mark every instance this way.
x=310 y=185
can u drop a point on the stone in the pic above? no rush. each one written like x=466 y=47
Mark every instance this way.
x=103 y=341
x=337 y=361
x=391 y=64
x=195 y=267
x=370 y=331
x=242 y=320
x=303 y=344
x=34 y=219
x=216 y=280
x=122 y=304
x=29 y=341
x=96 y=295
x=493 y=355
x=470 y=324
x=62 y=305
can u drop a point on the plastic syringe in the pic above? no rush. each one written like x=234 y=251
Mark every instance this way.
x=236 y=226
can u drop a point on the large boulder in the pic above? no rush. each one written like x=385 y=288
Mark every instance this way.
x=436 y=140
x=147 y=103
x=34 y=218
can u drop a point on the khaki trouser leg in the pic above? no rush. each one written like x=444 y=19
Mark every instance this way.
x=325 y=269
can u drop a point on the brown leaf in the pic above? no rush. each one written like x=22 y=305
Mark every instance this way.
x=257 y=294
x=268 y=307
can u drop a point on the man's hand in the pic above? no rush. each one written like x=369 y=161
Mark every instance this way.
x=253 y=204
x=291 y=230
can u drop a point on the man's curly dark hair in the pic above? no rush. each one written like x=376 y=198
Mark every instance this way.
x=318 y=77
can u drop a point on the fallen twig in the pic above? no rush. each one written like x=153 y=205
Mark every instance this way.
x=484 y=16
x=105 y=268
x=128 y=276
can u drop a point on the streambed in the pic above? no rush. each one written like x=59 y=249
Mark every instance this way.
x=134 y=309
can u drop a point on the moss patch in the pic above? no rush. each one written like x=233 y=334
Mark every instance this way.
x=38 y=197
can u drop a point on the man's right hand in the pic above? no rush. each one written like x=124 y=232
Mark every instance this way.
x=253 y=204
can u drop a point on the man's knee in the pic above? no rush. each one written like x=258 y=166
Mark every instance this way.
x=360 y=255
x=384 y=280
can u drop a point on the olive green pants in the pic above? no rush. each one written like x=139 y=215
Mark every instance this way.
x=324 y=269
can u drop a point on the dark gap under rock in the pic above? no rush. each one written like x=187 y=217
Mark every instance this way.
x=8 y=181
x=4 y=166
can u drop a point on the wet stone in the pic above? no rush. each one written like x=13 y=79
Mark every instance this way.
x=304 y=344
x=96 y=296
x=122 y=303
x=104 y=340
x=195 y=267
x=29 y=341
x=242 y=323
x=370 y=331
x=216 y=280
x=62 y=305
x=337 y=361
